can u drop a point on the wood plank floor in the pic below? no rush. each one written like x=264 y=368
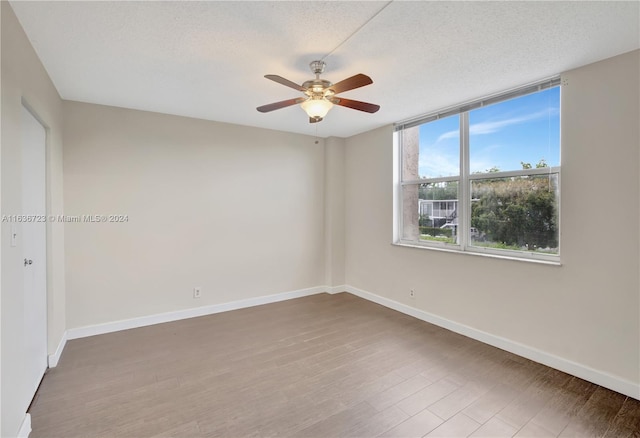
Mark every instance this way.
x=319 y=366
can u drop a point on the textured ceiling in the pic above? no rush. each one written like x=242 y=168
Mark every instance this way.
x=208 y=59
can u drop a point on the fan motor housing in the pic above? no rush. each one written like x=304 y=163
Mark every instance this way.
x=317 y=86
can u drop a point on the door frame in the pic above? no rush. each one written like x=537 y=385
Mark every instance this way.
x=47 y=230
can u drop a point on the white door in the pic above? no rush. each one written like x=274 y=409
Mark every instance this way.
x=34 y=251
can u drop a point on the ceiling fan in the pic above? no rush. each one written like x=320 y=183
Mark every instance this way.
x=320 y=94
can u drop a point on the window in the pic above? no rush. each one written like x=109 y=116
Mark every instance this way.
x=484 y=177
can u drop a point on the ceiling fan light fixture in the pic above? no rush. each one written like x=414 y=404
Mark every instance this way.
x=320 y=94
x=316 y=107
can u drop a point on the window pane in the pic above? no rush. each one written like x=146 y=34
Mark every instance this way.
x=518 y=213
x=514 y=134
x=432 y=150
x=430 y=212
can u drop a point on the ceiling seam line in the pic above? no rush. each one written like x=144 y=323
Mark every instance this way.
x=356 y=31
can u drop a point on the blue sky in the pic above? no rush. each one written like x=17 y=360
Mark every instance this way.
x=501 y=135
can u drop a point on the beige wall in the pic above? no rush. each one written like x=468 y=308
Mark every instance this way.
x=235 y=210
x=587 y=310
x=334 y=212
x=23 y=77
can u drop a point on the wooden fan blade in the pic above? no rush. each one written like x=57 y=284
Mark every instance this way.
x=278 y=105
x=351 y=83
x=356 y=104
x=286 y=82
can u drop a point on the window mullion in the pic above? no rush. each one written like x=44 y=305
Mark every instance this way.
x=510 y=173
x=397 y=185
x=464 y=203
x=430 y=180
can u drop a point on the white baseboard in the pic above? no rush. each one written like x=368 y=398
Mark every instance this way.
x=25 y=427
x=336 y=289
x=55 y=357
x=601 y=378
x=109 y=327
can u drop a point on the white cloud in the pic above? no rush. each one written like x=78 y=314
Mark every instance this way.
x=491 y=127
x=449 y=134
x=436 y=165
x=480 y=165
x=485 y=158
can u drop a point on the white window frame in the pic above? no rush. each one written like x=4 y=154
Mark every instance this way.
x=465 y=179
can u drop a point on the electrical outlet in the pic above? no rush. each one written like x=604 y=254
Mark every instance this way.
x=197 y=292
x=412 y=294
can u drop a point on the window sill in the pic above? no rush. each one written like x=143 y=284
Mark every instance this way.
x=481 y=254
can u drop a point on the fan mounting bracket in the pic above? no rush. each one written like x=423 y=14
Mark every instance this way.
x=317 y=67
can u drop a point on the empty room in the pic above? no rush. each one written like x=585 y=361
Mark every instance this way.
x=320 y=219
